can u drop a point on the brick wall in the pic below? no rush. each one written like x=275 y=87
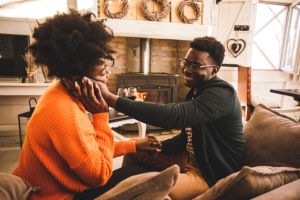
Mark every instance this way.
x=119 y=45
x=164 y=56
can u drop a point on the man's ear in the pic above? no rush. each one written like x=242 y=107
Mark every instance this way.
x=215 y=70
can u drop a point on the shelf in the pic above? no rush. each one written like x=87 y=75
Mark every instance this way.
x=23 y=89
x=157 y=30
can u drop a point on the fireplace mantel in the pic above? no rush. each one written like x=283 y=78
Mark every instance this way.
x=158 y=30
x=122 y=28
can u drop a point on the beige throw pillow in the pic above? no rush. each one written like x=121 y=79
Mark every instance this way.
x=250 y=182
x=151 y=185
x=13 y=187
x=272 y=139
x=289 y=191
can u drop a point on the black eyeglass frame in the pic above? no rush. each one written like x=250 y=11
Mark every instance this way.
x=192 y=66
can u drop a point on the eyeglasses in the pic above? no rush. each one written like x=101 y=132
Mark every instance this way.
x=192 y=66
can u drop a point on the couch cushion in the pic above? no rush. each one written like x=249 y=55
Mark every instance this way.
x=289 y=191
x=250 y=182
x=151 y=185
x=13 y=187
x=272 y=139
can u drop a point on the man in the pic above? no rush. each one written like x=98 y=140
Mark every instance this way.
x=211 y=139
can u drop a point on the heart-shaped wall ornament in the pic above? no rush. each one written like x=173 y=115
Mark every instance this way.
x=236 y=46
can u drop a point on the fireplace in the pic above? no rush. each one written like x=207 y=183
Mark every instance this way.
x=160 y=87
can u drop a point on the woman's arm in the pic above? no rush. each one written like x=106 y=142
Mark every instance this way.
x=87 y=150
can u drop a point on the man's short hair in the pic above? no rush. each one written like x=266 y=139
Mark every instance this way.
x=210 y=45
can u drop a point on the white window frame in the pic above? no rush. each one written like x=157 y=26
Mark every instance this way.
x=284 y=31
x=286 y=38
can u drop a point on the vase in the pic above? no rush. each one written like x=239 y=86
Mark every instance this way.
x=31 y=77
x=45 y=74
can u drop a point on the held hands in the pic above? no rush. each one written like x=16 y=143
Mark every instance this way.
x=149 y=144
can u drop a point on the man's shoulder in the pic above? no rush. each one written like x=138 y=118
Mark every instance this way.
x=220 y=84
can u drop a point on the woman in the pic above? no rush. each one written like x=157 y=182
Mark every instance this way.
x=64 y=153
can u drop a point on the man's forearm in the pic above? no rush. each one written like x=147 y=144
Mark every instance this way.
x=111 y=100
x=155 y=114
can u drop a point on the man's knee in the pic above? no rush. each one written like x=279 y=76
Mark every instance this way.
x=144 y=160
x=188 y=186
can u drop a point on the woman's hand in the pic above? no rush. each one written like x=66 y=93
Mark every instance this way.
x=149 y=144
x=90 y=96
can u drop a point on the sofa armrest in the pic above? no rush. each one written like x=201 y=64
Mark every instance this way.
x=290 y=191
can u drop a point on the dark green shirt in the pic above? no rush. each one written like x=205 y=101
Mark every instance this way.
x=213 y=112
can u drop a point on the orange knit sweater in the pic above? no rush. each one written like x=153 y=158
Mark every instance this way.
x=64 y=153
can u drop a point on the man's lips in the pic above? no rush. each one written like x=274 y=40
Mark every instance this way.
x=187 y=76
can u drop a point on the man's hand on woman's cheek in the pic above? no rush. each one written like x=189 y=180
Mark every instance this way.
x=104 y=90
x=109 y=97
x=90 y=96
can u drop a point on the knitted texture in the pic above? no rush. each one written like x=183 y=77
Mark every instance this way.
x=64 y=153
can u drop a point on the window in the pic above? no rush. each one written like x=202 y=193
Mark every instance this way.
x=34 y=9
x=292 y=40
x=268 y=36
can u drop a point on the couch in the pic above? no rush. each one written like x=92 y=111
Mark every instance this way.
x=272 y=161
x=271 y=171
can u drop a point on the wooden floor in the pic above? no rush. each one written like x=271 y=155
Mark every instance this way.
x=9 y=158
x=9 y=150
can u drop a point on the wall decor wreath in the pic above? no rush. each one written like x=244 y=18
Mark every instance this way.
x=195 y=7
x=116 y=15
x=159 y=15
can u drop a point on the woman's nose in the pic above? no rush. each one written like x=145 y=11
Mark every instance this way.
x=108 y=72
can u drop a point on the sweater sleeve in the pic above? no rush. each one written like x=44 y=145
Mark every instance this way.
x=124 y=147
x=121 y=147
x=86 y=148
x=212 y=104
